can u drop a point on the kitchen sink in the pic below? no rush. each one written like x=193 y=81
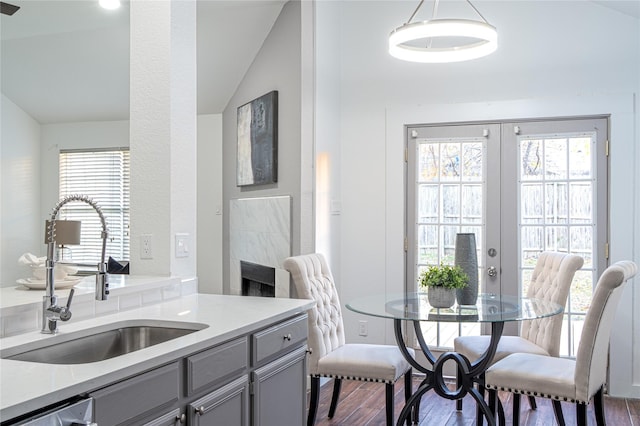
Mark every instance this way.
x=101 y=343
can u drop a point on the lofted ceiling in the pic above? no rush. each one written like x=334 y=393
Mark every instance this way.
x=67 y=61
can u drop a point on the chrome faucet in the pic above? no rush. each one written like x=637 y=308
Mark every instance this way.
x=51 y=312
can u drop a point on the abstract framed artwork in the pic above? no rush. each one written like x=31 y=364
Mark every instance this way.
x=257 y=158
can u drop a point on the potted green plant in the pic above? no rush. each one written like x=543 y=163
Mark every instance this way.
x=441 y=283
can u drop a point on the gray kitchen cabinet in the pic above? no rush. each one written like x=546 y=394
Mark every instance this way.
x=256 y=379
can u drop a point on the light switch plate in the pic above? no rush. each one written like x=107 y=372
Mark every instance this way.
x=182 y=245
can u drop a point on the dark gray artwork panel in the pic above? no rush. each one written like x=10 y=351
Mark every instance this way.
x=258 y=141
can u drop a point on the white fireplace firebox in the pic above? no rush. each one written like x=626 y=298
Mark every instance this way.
x=257 y=280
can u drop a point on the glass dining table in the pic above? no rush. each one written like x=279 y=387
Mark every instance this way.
x=494 y=309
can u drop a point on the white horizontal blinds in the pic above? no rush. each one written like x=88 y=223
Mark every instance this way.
x=103 y=176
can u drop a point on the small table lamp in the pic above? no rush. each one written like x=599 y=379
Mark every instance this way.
x=67 y=233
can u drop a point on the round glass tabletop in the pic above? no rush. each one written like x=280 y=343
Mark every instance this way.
x=488 y=308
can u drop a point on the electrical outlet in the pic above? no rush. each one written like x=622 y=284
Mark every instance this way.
x=363 y=329
x=146 y=246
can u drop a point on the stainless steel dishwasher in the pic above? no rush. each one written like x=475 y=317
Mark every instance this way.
x=73 y=413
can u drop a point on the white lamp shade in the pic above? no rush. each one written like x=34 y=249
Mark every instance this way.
x=454 y=28
x=67 y=232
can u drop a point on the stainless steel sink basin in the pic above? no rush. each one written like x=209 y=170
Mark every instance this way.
x=101 y=343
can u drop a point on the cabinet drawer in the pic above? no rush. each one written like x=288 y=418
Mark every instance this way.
x=217 y=364
x=280 y=337
x=123 y=402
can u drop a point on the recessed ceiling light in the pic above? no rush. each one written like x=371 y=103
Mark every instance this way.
x=109 y=4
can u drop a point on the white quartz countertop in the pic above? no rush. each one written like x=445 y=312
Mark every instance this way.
x=11 y=297
x=26 y=386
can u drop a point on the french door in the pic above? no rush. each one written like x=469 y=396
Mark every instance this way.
x=522 y=188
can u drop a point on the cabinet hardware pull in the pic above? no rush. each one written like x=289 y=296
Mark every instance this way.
x=310 y=350
x=181 y=418
x=287 y=337
x=200 y=410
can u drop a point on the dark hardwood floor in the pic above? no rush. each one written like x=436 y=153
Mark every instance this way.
x=362 y=404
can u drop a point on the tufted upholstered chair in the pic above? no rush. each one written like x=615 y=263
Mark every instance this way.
x=329 y=355
x=563 y=379
x=550 y=280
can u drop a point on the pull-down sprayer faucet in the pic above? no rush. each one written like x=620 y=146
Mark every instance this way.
x=51 y=312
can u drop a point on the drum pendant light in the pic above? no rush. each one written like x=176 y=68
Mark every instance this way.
x=443 y=40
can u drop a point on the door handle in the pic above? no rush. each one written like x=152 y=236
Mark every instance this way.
x=492 y=271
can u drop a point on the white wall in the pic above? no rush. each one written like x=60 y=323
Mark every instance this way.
x=567 y=58
x=61 y=136
x=209 y=165
x=327 y=146
x=163 y=134
x=20 y=204
x=276 y=67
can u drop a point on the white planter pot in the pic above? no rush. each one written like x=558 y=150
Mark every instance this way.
x=440 y=297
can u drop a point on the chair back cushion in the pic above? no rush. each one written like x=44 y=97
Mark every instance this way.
x=313 y=280
x=551 y=280
x=591 y=359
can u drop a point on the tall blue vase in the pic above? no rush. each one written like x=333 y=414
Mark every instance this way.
x=467 y=259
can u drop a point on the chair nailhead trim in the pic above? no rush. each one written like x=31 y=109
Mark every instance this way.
x=543 y=395
x=361 y=379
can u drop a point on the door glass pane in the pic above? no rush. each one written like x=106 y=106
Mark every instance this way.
x=450 y=199
x=450 y=161
x=580 y=158
x=555 y=158
x=556 y=202
x=472 y=162
x=428 y=162
x=532 y=205
x=530 y=159
x=556 y=213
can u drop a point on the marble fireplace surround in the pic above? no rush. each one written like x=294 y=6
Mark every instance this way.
x=260 y=232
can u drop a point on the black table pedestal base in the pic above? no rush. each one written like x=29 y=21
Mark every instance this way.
x=470 y=374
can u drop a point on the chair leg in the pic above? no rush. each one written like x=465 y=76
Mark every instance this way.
x=313 y=401
x=598 y=406
x=337 y=384
x=389 y=403
x=500 y=418
x=495 y=407
x=581 y=414
x=479 y=415
x=557 y=410
x=459 y=384
x=408 y=390
x=532 y=403
x=516 y=409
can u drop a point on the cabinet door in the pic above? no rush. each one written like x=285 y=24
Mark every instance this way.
x=228 y=406
x=279 y=391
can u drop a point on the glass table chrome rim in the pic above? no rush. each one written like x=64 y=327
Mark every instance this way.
x=489 y=308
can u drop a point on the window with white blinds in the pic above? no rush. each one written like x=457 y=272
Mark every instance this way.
x=102 y=175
